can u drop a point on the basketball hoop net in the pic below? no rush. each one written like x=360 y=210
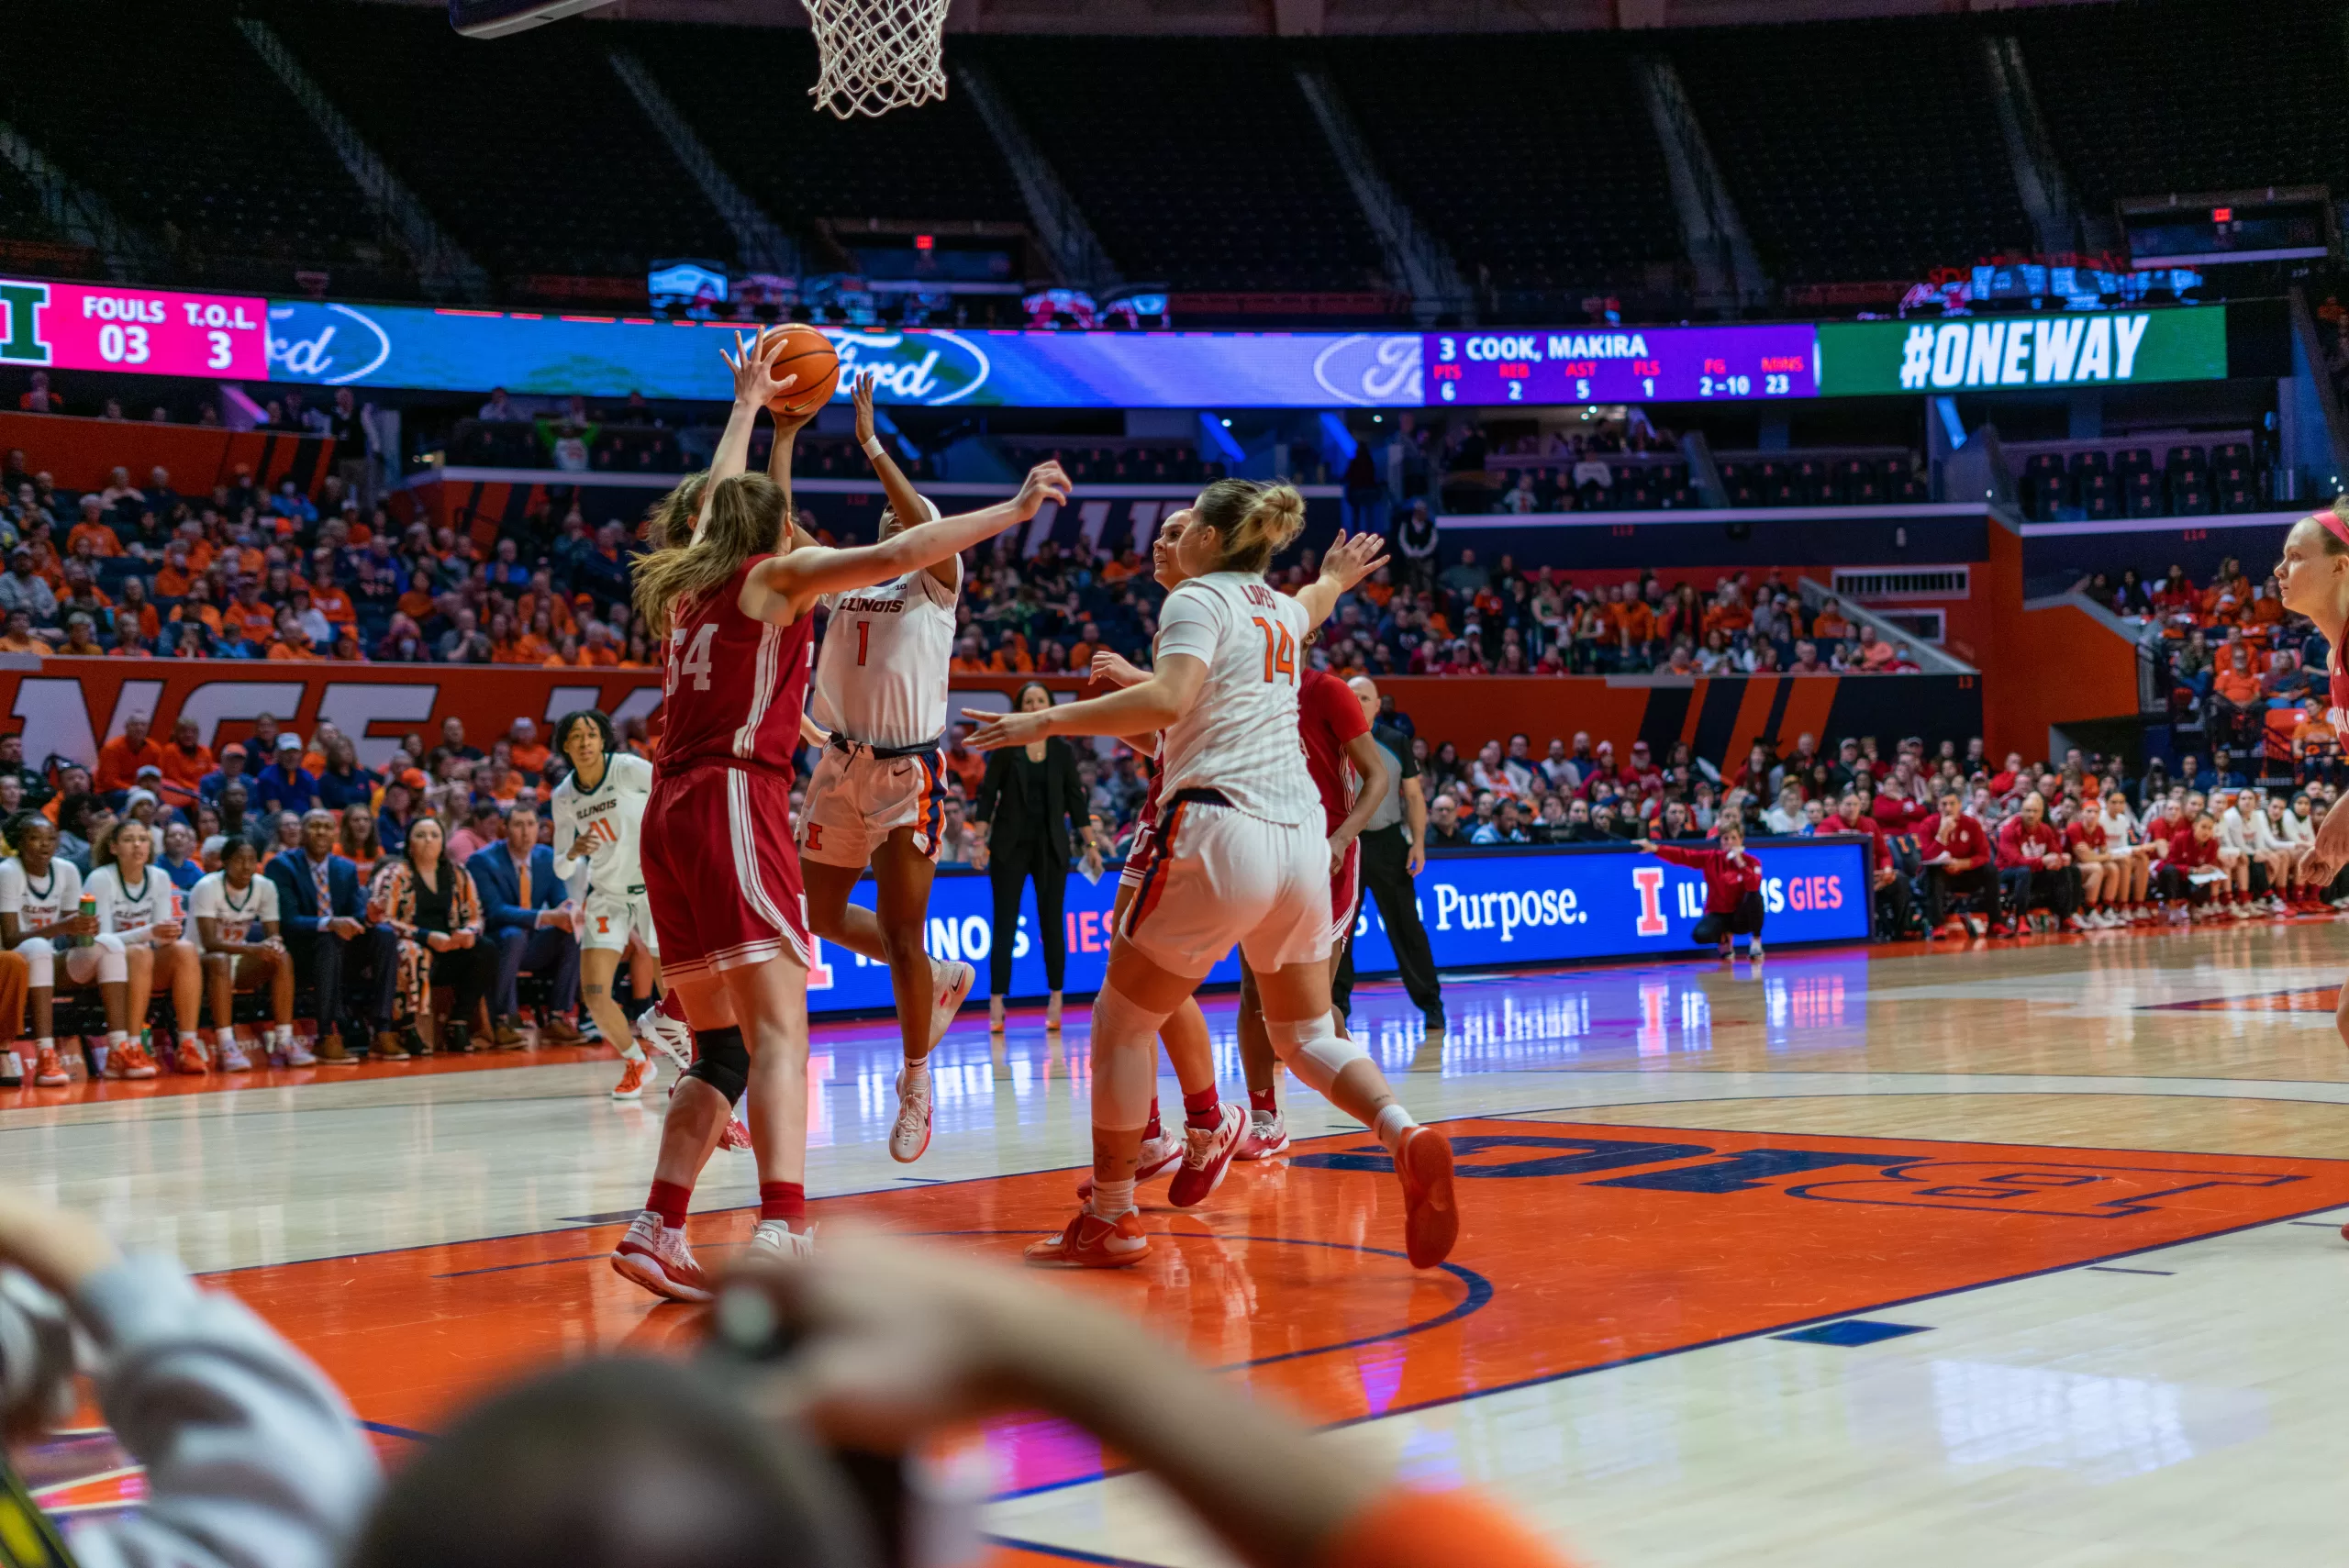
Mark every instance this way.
x=878 y=55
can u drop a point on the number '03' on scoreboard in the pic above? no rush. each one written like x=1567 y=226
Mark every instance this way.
x=64 y=326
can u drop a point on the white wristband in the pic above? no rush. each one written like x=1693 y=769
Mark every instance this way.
x=873 y=447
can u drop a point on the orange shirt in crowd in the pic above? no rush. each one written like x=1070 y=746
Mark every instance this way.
x=1634 y=620
x=208 y=614
x=199 y=555
x=119 y=761
x=103 y=540
x=256 y=623
x=531 y=759
x=283 y=651
x=251 y=561
x=335 y=604
x=172 y=583
x=28 y=643
x=188 y=767
x=2242 y=689
x=2313 y=735
x=1831 y=626
x=416 y=604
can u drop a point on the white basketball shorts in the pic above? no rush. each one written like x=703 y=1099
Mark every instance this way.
x=1222 y=877
x=856 y=799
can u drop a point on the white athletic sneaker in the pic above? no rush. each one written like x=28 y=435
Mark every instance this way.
x=658 y=1259
x=910 y=1135
x=1267 y=1136
x=1754 y=950
x=667 y=1036
x=774 y=1240
x=952 y=983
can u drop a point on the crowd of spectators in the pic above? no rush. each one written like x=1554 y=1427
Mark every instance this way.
x=250 y=571
x=2081 y=844
x=2240 y=668
x=315 y=814
x=1050 y=613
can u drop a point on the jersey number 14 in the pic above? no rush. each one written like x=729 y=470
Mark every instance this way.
x=1280 y=650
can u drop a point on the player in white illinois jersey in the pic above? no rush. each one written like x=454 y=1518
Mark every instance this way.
x=878 y=795
x=1242 y=858
x=598 y=813
x=140 y=905
x=40 y=913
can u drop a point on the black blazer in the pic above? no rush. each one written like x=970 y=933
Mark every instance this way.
x=1017 y=828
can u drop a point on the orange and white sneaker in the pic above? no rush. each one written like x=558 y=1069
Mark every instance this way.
x=1430 y=1218
x=1207 y=1155
x=737 y=1134
x=188 y=1058
x=1159 y=1155
x=1089 y=1241
x=130 y=1060
x=634 y=1075
x=952 y=982
x=49 y=1072
x=658 y=1259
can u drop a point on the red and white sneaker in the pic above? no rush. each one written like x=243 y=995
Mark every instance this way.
x=737 y=1134
x=188 y=1058
x=1089 y=1241
x=634 y=1075
x=658 y=1259
x=909 y=1134
x=1207 y=1156
x=1159 y=1155
x=1430 y=1218
x=669 y=1036
x=130 y=1060
x=49 y=1073
x=1267 y=1136
x=952 y=980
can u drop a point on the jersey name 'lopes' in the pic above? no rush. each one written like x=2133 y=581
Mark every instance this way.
x=1241 y=736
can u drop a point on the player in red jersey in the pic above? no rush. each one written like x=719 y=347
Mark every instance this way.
x=1335 y=733
x=721 y=868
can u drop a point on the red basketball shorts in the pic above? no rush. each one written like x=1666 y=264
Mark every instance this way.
x=1345 y=896
x=721 y=872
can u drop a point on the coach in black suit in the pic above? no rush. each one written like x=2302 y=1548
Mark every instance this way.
x=1034 y=808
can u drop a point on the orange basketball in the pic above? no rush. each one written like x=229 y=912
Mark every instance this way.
x=810 y=355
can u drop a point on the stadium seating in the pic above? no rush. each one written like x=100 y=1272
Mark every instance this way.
x=2115 y=479
x=1197 y=159
x=168 y=112
x=581 y=183
x=1533 y=190
x=936 y=163
x=1860 y=151
x=2145 y=98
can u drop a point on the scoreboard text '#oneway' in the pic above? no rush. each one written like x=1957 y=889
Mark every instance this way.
x=1654 y=364
x=95 y=327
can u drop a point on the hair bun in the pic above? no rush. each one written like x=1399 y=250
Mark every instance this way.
x=1279 y=511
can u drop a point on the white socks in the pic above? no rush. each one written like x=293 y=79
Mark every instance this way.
x=917 y=1073
x=1111 y=1199
x=1392 y=1124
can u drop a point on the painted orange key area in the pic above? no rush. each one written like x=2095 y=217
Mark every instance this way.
x=1582 y=1247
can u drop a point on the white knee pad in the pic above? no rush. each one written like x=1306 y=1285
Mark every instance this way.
x=1125 y=1060
x=40 y=960
x=1314 y=1050
x=114 y=964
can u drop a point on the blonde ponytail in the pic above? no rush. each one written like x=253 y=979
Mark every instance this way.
x=746 y=516
x=1257 y=521
x=670 y=520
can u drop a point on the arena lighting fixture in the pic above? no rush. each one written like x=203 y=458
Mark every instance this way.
x=495 y=18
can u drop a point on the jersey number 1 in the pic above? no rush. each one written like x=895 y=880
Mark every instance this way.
x=863 y=641
x=1280 y=650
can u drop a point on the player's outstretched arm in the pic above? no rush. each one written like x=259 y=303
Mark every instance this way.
x=1351 y=558
x=752 y=365
x=1116 y=670
x=1158 y=702
x=904 y=499
x=780 y=589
